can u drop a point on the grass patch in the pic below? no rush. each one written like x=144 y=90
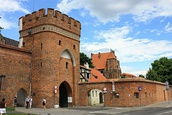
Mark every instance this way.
x=10 y=109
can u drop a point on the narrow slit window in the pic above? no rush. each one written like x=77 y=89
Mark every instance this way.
x=67 y=65
x=23 y=44
x=41 y=46
x=74 y=47
x=60 y=42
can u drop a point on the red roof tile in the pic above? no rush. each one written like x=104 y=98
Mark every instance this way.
x=99 y=60
x=96 y=76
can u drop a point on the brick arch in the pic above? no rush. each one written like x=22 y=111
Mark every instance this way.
x=68 y=87
x=67 y=54
x=95 y=97
x=91 y=88
x=85 y=88
x=64 y=92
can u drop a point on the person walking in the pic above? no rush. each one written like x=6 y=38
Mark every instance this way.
x=44 y=103
x=30 y=102
x=3 y=107
x=27 y=102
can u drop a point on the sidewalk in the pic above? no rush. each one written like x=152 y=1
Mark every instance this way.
x=161 y=104
x=85 y=110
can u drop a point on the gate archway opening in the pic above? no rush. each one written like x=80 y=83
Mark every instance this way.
x=95 y=97
x=65 y=94
x=21 y=96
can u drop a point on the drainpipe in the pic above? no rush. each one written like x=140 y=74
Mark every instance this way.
x=31 y=64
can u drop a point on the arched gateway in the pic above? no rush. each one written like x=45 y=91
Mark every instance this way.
x=21 y=96
x=65 y=94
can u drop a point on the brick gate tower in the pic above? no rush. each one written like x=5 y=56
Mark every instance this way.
x=54 y=40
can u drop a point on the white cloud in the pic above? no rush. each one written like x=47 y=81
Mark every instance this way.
x=168 y=27
x=158 y=32
x=128 y=49
x=9 y=7
x=12 y=6
x=111 y=10
x=6 y=24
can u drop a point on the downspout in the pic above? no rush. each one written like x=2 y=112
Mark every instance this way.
x=31 y=64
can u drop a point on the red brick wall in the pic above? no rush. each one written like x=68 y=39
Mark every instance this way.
x=152 y=92
x=15 y=64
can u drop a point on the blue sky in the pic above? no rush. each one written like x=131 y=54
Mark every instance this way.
x=139 y=31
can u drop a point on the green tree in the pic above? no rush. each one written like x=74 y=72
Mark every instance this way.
x=161 y=70
x=1 y=29
x=84 y=59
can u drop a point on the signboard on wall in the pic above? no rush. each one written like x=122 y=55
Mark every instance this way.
x=69 y=99
x=140 y=88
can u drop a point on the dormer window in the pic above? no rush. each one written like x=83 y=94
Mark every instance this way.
x=95 y=76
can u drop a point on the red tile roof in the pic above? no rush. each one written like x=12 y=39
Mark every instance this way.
x=99 y=60
x=96 y=76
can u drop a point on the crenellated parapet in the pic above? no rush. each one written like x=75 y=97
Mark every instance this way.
x=47 y=21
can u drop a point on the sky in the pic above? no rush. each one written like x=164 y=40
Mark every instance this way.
x=139 y=31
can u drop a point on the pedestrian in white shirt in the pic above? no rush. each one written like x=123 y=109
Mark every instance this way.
x=30 y=101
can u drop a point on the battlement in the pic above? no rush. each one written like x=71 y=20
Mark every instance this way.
x=51 y=17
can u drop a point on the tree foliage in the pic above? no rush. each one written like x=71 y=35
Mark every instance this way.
x=84 y=59
x=161 y=70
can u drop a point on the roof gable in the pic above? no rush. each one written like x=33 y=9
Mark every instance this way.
x=99 y=60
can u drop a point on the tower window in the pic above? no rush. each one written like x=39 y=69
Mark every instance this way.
x=67 y=65
x=60 y=42
x=41 y=46
x=74 y=47
x=23 y=44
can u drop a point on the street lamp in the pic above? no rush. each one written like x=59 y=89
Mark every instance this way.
x=140 y=89
x=104 y=92
x=167 y=85
x=167 y=88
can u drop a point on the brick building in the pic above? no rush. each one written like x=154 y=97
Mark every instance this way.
x=46 y=65
x=107 y=64
x=46 y=60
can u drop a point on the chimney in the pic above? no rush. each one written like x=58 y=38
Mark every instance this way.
x=99 y=55
x=112 y=51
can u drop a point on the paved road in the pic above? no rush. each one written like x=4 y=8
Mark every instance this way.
x=150 y=111
x=164 y=108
